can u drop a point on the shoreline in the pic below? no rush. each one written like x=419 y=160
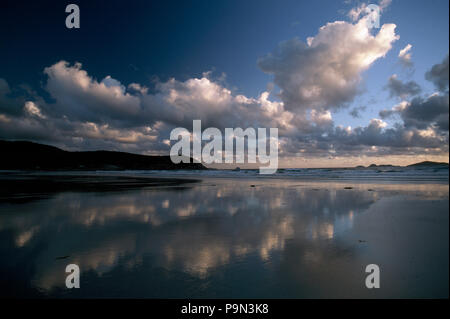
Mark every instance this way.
x=25 y=186
x=142 y=177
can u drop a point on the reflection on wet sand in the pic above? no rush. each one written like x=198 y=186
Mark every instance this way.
x=224 y=238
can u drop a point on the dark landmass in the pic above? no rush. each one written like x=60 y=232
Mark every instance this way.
x=429 y=164
x=23 y=155
x=424 y=164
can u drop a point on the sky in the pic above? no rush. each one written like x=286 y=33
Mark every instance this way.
x=339 y=92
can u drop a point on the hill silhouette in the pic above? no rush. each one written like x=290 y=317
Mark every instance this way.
x=429 y=164
x=34 y=156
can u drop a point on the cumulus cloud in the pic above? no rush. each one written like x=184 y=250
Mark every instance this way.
x=376 y=134
x=427 y=116
x=422 y=113
x=375 y=139
x=106 y=113
x=177 y=103
x=397 y=88
x=439 y=75
x=81 y=97
x=325 y=72
x=323 y=118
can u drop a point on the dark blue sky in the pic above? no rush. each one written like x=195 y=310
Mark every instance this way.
x=135 y=41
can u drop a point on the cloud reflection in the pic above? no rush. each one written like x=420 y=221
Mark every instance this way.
x=194 y=231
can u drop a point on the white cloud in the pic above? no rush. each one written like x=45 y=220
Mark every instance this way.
x=326 y=72
x=32 y=109
x=405 y=56
x=321 y=118
x=84 y=98
x=377 y=124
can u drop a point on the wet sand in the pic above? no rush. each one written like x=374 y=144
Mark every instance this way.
x=222 y=238
x=28 y=186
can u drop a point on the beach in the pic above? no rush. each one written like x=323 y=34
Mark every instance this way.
x=224 y=234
